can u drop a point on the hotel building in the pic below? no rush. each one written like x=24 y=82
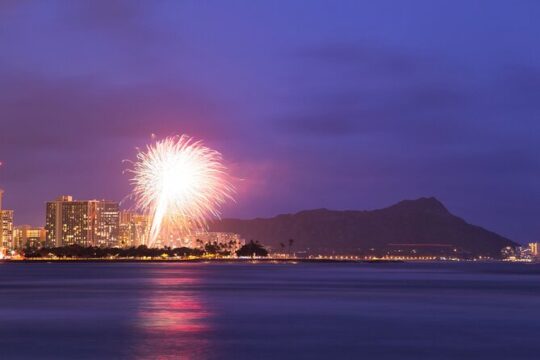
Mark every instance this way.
x=7 y=229
x=535 y=249
x=133 y=229
x=84 y=223
x=1 y=222
x=28 y=236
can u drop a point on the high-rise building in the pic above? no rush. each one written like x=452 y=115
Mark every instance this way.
x=28 y=236
x=535 y=249
x=1 y=224
x=133 y=229
x=7 y=229
x=84 y=223
x=106 y=217
x=67 y=222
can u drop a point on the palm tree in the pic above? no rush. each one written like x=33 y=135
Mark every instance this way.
x=291 y=242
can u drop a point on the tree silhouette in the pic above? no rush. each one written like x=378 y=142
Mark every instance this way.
x=252 y=249
x=291 y=242
x=94 y=252
x=212 y=249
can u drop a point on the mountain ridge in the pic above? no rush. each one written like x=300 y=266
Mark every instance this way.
x=421 y=221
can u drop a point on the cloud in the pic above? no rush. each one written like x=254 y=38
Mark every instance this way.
x=361 y=57
x=71 y=112
x=354 y=91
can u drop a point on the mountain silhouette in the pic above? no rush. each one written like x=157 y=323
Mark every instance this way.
x=409 y=223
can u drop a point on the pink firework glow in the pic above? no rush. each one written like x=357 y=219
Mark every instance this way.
x=181 y=184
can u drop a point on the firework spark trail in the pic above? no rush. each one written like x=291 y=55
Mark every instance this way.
x=181 y=184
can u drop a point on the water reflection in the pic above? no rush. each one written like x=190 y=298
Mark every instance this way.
x=172 y=320
x=247 y=311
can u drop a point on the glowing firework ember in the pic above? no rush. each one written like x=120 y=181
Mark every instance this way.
x=181 y=184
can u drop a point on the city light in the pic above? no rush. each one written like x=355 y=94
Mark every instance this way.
x=180 y=184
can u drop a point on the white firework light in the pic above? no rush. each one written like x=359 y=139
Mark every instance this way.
x=181 y=184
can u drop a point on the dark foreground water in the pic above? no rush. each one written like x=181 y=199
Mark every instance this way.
x=269 y=311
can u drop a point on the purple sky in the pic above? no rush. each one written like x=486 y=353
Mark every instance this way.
x=344 y=105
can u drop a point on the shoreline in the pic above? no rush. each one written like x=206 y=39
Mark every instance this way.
x=154 y=260
x=255 y=260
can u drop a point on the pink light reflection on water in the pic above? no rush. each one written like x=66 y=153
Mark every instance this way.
x=173 y=322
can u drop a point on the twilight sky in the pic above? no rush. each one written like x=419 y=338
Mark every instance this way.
x=337 y=104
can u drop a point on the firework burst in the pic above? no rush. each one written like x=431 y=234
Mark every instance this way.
x=181 y=184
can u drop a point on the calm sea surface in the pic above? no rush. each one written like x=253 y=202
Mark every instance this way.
x=269 y=311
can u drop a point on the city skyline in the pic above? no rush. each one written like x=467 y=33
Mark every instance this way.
x=99 y=223
x=347 y=106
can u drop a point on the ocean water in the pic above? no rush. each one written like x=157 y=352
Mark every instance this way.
x=269 y=311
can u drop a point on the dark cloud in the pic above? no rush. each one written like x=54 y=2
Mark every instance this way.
x=361 y=58
x=430 y=100
x=42 y=113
